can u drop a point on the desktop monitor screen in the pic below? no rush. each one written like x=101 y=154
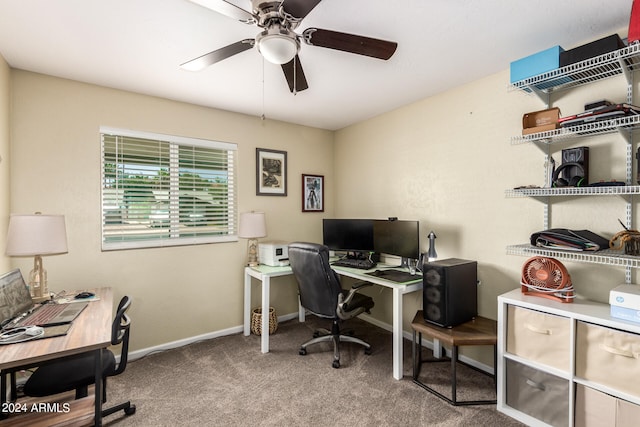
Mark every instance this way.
x=348 y=234
x=399 y=238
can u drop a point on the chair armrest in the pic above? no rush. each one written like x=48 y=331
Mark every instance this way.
x=343 y=302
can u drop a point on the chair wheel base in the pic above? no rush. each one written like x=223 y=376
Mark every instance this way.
x=130 y=410
x=336 y=364
x=302 y=352
x=367 y=351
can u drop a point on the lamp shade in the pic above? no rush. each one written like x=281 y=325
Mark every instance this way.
x=31 y=235
x=252 y=225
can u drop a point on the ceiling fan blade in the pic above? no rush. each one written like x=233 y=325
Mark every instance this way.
x=231 y=10
x=294 y=74
x=211 y=58
x=299 y=8
x=352 y=43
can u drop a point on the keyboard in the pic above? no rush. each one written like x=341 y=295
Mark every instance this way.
x=363 y=264
x=42 y=315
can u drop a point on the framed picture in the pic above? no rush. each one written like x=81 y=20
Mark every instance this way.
x=312 y=193
x=271 y=172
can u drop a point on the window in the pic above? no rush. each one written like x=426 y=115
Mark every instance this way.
x=161 y=190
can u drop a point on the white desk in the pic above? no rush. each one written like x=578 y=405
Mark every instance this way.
x=265 y=273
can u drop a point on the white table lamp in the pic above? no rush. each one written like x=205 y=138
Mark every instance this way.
x=252 y=226
x=37 y=235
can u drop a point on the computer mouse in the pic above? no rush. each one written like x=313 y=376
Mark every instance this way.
x=378 y=273
x=84 y=294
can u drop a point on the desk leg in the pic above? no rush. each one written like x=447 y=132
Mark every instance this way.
x=266 y=285
x=247 y=303
x=397 y=334
x=454 y=375
x=98 y=389
x=3 y=398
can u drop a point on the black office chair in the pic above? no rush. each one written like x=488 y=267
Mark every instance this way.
x=78 y=372
x=321 y=294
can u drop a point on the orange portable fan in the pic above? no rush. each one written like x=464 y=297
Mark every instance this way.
x=548 y=278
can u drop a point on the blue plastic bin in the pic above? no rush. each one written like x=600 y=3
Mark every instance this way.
x=538 y=63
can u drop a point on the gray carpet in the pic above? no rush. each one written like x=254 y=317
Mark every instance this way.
x=227 y=382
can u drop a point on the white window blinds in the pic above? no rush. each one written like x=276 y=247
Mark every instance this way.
x=161 y=190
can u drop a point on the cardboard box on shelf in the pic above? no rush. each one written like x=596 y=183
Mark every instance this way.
x=540 y=121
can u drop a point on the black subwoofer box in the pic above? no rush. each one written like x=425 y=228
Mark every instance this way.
x=450 y=291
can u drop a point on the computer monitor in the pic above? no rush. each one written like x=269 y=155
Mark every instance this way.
x=349 y=235
x=399 y=238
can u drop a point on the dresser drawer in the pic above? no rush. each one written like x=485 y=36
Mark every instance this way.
x=608 y=357
x=593 y=408
x=538 y=394
x=627 y=414
x=597 y=409
x=539 y=337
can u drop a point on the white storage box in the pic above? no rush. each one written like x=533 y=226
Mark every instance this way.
x=627 y=296
x=625 y=302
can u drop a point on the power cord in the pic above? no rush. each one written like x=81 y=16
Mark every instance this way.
x=21 y=334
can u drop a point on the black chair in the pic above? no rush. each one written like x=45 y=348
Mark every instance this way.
x=321 y=294
x=78 y=372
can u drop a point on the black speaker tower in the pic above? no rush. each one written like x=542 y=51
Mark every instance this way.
x=450 y=291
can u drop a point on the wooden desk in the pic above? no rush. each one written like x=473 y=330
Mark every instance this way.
x=264 y=273
x=90 y=331
x=479 y=331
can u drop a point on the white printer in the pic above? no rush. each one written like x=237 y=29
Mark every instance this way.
x=274 y=254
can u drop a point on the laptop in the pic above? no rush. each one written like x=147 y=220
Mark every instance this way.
x=17 y=307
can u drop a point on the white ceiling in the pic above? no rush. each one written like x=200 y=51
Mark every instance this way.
x=137 y=45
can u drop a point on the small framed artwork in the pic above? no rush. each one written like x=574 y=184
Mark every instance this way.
x=271 y=172
x=312 y=193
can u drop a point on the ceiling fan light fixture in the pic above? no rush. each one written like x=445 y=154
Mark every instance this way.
x=276 y=47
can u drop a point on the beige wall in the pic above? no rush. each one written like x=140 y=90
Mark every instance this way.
x=4 y=159
x=178 y=292
x=447 y=161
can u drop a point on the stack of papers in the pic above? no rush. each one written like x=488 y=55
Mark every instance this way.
x=604 y=112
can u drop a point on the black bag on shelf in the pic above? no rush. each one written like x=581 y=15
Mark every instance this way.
x=572 y=240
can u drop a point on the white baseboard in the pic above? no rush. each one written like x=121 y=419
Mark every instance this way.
x=138 y=354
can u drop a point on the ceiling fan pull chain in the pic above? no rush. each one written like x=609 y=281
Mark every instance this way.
x=262 y=117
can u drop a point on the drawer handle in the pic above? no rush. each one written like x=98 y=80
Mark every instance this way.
x=534 y=384
x=537 y=330
x=617 y=351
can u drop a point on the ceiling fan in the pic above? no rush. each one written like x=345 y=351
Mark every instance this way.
x=279 y=44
